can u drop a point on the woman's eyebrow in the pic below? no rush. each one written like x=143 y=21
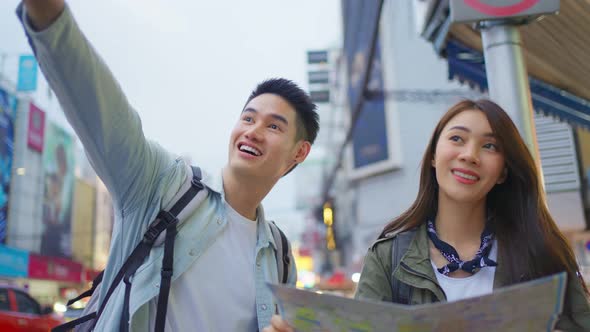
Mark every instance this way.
x=465 y=129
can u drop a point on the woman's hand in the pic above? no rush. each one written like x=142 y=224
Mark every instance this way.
x=277 y=324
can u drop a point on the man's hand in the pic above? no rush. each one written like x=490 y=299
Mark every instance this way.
x=277 y=324
x=42 y=13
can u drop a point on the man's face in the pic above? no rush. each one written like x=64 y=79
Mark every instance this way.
x=263 y=141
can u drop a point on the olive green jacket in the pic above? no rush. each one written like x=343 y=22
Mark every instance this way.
x=416 y=271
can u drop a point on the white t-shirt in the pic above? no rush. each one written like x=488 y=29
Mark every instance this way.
x=480 y=283
x=217 y=293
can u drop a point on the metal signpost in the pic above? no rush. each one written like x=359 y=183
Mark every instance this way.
x=502 y=45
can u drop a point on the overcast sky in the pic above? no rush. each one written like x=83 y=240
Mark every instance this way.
x=187 y=66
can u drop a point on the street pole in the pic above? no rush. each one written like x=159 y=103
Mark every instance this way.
x=508 y=82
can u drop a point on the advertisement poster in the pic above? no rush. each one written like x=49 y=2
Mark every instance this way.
x=7 y=116
x=58 y=166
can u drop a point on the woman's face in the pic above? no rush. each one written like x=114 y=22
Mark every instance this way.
x=468 y=162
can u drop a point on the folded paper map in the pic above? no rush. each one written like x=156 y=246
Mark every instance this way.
x=531 y=306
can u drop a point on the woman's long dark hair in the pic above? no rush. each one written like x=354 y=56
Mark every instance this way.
x=530 y=243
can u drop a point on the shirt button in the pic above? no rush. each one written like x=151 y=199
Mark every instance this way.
x=193 y=252
x=258 y=264
x=157 y=285
x=218 y=221
x=263 y=307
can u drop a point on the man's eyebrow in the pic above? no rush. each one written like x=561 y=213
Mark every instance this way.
x=465 y=129
x=280 y=118
x=274 y=115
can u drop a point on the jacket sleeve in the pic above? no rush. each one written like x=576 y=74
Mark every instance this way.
x=576 y=312
x=375 y=281
x=97 y=109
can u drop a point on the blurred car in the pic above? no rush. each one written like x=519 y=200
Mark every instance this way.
x=20 y=312
x=72 y=313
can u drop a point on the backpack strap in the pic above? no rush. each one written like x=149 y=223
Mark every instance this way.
x=97 y=280
x=165 y=221
x=282 y=254
x=170 y=220
x=401 y=292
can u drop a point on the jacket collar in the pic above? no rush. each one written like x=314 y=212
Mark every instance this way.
x=417 y=257
x=418 y=254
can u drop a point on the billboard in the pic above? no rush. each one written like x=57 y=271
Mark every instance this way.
x=36 y=128
x=58 y=167
x=7 y=117
x=371 y=141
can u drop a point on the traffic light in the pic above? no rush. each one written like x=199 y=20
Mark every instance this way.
x=328 y=214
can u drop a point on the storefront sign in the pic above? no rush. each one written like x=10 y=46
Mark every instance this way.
x=13 y=262
x=54 y=268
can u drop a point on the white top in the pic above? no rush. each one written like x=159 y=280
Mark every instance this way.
x=480 y=283
x=218 y=286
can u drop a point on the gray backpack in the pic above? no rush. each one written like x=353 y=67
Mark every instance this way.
x=401 y=292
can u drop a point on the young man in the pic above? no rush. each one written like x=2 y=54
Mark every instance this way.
x=224 y=251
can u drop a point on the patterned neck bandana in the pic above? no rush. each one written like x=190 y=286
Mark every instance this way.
x=455 y=263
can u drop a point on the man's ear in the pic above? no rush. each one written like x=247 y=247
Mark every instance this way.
x=302 y=151
x=503 y=176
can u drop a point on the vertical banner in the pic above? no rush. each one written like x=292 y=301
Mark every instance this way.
x=36 y=128
x=104 y=219
x=83 y=222
x=7 y=116
x=58 y=166
x=27 y=73
x=370 y=139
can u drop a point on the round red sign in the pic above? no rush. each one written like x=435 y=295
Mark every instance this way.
x=495 y=10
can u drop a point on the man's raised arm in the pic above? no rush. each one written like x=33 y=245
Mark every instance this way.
x=93 y=102
x=42 y=13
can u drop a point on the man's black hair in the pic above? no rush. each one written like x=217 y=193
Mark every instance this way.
x=307 y=117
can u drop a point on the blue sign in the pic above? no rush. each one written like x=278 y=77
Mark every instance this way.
x=7 y=116
x=27 y=73
x=369 y=140
x=14 y=263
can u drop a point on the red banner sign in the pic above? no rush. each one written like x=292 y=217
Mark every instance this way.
x=36 y=130
x=54 y=268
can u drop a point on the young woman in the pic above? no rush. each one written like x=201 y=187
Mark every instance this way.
x=480 y=221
